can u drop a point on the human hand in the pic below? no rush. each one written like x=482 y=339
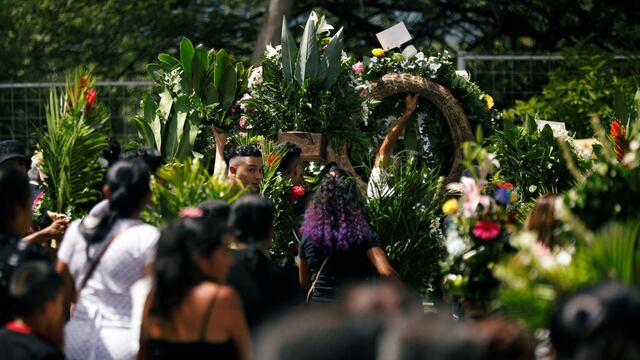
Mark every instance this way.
x=56 y=230
x=410 y=103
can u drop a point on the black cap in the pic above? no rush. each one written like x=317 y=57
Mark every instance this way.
x=13 y=149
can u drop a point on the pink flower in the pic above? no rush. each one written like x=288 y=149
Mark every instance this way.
x=486 y=229
x=243 y=122
x=358 y=67
x=192 y=213
x=471 y=195
x=364 y=93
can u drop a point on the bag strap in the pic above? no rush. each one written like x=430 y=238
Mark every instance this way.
x=315 y=282
x=96 y=262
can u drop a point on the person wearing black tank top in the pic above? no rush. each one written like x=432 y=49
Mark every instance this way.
x=189 y=314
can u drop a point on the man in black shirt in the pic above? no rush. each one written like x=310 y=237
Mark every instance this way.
x=38 y=302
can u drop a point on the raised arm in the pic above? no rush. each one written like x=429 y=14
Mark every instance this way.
x=382 y=157
x=220 y=167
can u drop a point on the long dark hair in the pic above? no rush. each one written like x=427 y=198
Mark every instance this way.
x=128 y=182
x=335 y=220
x=14 y=190
x=175 y=270
x=251 y=219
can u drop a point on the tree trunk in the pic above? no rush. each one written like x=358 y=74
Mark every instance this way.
x=271 y=27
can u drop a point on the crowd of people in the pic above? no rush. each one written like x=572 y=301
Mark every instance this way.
x=205 y=286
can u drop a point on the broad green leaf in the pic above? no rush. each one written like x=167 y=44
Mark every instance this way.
x=168 y=59
x=164 y=107
x=186 y=57
x=181 y=109
x=222 y=60
x=308 y=58
x=210 y=95
x=200 y=66
x=227 y=87
x=289 y=52
x=331 y=59
x=156 y=72
x=620 y=104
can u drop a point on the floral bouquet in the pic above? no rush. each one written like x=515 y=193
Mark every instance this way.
x=303 y=88
x=480 y=222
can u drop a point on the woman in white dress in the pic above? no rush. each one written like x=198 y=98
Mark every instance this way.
x=100 y=257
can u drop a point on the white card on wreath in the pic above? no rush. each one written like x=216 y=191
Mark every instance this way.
x=552 y=124
x=394 y=36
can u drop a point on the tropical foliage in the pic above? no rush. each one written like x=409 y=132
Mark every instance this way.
x=186 y=184
x=194 y=92
x=74 y=139
x=305 y=89
x=406 y=217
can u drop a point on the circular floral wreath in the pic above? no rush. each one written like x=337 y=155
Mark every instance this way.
x=433 y=136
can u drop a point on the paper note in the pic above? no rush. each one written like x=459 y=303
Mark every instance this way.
x=394 y=36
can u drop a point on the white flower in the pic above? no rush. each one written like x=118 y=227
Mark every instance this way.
x=434 y=64
x=563 y=258
x=489 y=164
x=409 y=52
x=454 y=243
x=273 y=53
x=464 y=74
x=255 y=77
x=321 y=25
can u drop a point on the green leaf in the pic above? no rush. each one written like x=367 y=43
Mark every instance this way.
x=222 y=60
x=308 y=58
x=200 y=66
x=620 y=105
x=168 y=60
x=289 y=52
x=227 y=88
x=331 y=59
x=156 y=72
x=186 y=56
x=210 y=95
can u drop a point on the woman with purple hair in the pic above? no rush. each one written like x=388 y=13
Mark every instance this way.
x=338 y=245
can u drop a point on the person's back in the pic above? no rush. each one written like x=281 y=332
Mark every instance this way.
x=188 y=313
x=196 y=328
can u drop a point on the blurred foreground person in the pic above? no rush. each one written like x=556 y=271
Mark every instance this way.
x=101 y=257
x=264 y=287
x=598 y=322
x=189 y=314
x=37 y=333
x=15 y=219
x=338 y=245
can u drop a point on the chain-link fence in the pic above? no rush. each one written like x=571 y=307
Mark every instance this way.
x=23 y=107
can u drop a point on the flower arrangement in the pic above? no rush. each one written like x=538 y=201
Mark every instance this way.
x=481 y=220
x=428 y=135
x=306 y=88
x=75 y=137
x=610 y=189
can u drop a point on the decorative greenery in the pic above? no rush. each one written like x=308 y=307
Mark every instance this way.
x=428 y=134
x=536 y=278
x=186 y=184
x=196 y=91
x=477 y=237
x=305 y=89
x=583 y=85
x=74 y=139
x=611 y=189
x=282 y=194
x=532 y=159
x=406 y=217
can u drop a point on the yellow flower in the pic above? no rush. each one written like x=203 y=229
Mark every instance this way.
x=450 y=206
x=512 y=229
x=488 y=101
x=514 y=197
x=377 y=52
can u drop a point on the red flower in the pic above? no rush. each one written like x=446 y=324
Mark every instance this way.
x=512 y=217
x=486 y=229
x=296 y=192
x=272 y=159
x=90 y=96
x=619 y=138
x=506 y=185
